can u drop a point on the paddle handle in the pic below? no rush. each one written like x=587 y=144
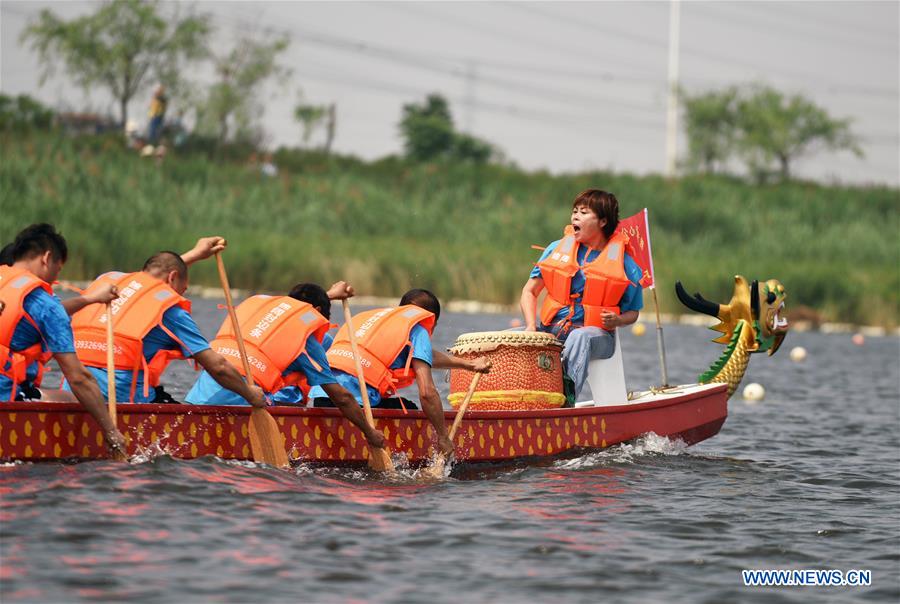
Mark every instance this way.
x=223 y=277
x=465 y=405
x=111 y=364
x=364 y=391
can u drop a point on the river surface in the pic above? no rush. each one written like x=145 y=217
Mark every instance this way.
x=807 y=479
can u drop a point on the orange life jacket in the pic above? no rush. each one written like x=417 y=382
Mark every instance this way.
x=381 y=335
x=275 y=330
x=605 y=279
x=15 y=285
x=139 y=308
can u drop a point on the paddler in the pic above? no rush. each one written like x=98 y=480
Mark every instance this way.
x=592 y=285
x=395 y=349
x=285 y=340
x=153 y=325
x=34 y=326
x=27 y=389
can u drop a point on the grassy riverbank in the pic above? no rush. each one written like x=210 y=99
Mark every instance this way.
x=463 y=231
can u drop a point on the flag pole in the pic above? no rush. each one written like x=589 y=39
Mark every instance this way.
x=660 y=342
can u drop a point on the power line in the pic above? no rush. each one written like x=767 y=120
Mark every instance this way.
x=528 y=41
x=456 y=68
x=717 y=57
x=772 y=22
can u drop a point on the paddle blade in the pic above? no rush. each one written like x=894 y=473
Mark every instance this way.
x=380 y=460
x=436 y=469
x=266 y=441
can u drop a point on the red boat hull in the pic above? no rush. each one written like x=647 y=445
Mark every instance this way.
x=38 y=431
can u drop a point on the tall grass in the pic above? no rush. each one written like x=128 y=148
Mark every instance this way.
x=464 y=231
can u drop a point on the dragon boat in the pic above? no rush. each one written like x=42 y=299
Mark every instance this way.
x=517 y=411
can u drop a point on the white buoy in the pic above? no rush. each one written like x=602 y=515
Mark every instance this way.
x=754 y=392
x=639 y=329
x=798 y=354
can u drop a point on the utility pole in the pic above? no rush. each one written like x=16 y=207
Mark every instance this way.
x=672 y=109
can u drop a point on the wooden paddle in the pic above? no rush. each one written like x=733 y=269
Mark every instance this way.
x=111 y=375
x=379 y=459
x=266 y=440
x=436 y=469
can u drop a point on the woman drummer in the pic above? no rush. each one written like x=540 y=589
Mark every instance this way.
x=592 y=285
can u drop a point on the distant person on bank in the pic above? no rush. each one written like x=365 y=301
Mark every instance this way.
x=152 y=327
x=157 y=115
x=285 y=338
x=593 y=286
x=34 y=326
x=395 y=349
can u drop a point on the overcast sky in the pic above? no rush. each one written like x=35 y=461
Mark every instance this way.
x=557 y=85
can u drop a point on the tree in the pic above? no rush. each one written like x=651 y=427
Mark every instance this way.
x=230 y=109
x=773 y=127
x=314 y=116
x=427 y=129
x=429 y=134
x=23 y=113
x=711 y=125
x=120 y=47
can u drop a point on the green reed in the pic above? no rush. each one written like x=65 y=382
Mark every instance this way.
x=464 y=231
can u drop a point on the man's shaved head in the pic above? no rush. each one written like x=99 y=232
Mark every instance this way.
x=162 y=263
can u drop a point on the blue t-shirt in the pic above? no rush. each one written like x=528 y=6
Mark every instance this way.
x=632 y=299
x=206 y=391
x=179 y=322
x=421 y=344
x=55 y=333
x=292 y=395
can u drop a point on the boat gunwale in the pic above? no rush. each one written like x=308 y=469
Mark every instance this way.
x=292 y=411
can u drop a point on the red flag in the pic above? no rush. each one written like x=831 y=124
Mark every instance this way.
x=637 y=228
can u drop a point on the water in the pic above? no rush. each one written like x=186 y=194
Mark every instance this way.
x=807 y=479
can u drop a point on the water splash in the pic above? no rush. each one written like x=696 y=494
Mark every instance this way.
x=647 y=445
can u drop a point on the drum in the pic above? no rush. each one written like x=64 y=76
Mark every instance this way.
x=526 y=371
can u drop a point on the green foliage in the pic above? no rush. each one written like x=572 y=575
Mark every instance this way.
x=762 y=126
x=779 y=129
x=710 y=122
x=119 y=47
x=314 y=116
x=23 y=113
x=429 y=134
x=231 y=108
x=461 y=229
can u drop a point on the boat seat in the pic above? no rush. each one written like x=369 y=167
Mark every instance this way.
x=606 y=377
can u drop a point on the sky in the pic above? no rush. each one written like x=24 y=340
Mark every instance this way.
x=561 y=86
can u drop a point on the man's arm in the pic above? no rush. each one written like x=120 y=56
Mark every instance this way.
x=449 y=361
x=346 y=402
x=612 y=320
x=431 y=403
x=107 y=293
x=86 y=390
x=528 y=301
x=228 y=377
x=204 y=248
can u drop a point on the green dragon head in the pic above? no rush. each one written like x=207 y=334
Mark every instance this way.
x=757 y=305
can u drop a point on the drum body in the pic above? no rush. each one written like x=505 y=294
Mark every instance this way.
x=526 y=372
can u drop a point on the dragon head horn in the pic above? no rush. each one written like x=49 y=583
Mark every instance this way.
x=696 y=303
x=754 y=298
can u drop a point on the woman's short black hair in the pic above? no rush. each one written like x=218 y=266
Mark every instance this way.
x=313 y=294
x=423 y=299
